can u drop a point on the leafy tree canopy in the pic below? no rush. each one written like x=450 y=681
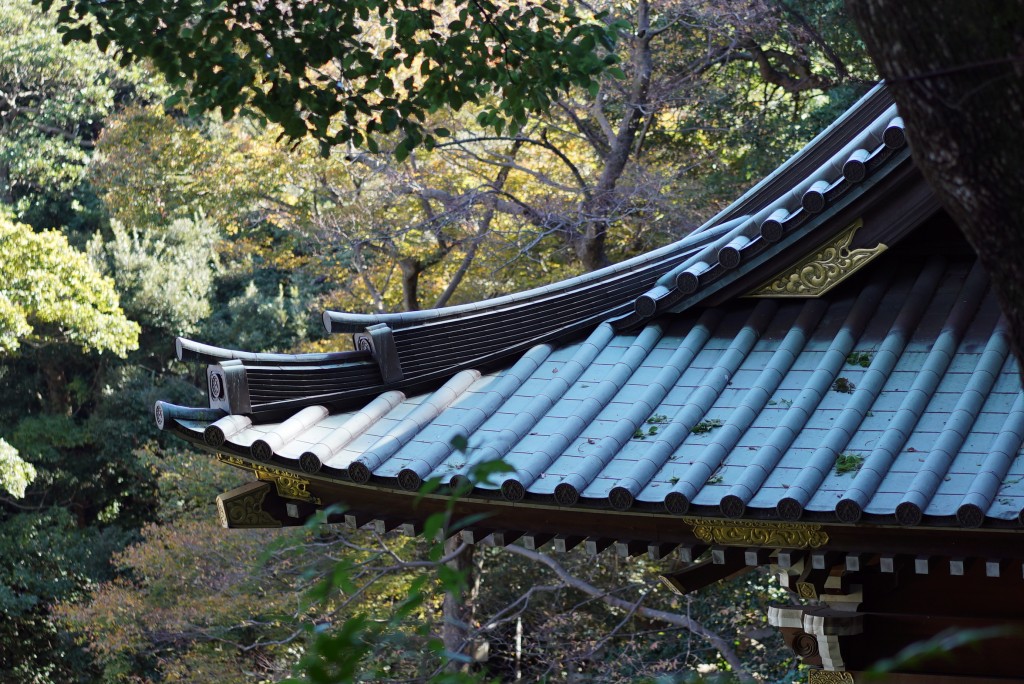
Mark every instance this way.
x=53 y=99
x=345 y=71
x=15 y=474
x=50 y=293
x=164 y=275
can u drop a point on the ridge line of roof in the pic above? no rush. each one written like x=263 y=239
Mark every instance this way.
x=819 y=152
x=816 y=197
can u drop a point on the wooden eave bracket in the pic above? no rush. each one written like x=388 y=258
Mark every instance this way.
x=730 y=564
x=379 y=340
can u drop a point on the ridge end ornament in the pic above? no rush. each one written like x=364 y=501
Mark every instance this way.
x=762 y=533
x=823 y=269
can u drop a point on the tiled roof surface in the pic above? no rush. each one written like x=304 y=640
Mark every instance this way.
x=893 y=399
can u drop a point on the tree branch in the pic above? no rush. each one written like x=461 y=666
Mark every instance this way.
x=672 y=618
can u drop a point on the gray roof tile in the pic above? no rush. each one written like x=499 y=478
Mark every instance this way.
x=709 y=410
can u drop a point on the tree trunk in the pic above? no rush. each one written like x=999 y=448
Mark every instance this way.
x=411 y=269
x=58 y=398
x=956 y=70
x=590 y=243
x=6 y=192
x=458 y=608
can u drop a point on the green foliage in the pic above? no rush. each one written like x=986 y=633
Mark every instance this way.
x=192 y=602
x=184 y=587
x=55 y=99
x=938 y=648
x=843 y=385
x=15 y=474
x=268 y=316
x=350 y=72
x=848 y=462
x=46 y=557
x=153 y=167
x=50 y=293
x=706 y=426
x=165 y=275
x=862 y=359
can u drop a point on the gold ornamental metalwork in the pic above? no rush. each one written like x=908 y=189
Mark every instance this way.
x=288 y=484
x=806 y=590
x=245 y=510
x=829 y=677
x=761 y=533
x=823 y=269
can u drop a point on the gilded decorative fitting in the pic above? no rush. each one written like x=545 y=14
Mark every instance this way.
x=243 y=507
x=823 y=269
x=829 y=677
x=762 y=533
x=288 y=485
x=806 y=590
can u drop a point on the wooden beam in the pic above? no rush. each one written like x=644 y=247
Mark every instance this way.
x=629 y=549
x=385 y=525
x=357 y=520
x=534 y=540
x=657 y=551
x=755 y=557
x=701 y=575
x=823 y=560
x=566 y=542
x=689 y=553
x=854 y=561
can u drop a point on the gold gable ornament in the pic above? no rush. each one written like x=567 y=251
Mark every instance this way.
x=823 y=269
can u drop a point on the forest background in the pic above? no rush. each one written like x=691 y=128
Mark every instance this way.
x=129 y=216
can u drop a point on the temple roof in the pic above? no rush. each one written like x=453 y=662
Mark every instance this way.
x=801 y=204
x=826 y=349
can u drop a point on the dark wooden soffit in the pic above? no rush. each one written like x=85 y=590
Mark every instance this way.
x=635 y=531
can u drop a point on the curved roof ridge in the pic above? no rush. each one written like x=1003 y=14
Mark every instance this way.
x=190 y=350
x=338 y=321
x=568 y=419
x=865 y=121
x=864 y=153
x=414 y=351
